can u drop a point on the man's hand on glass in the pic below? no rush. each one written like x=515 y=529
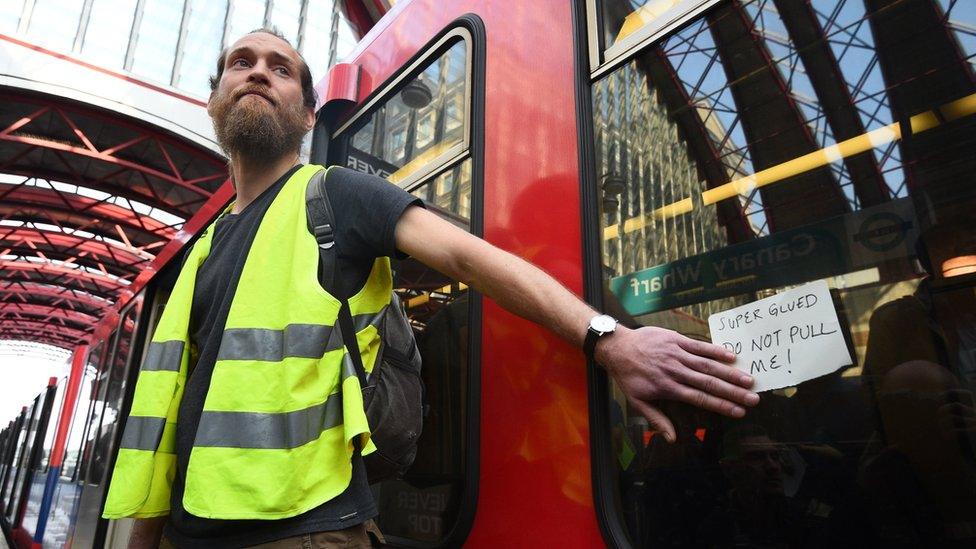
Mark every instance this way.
x=651 y=364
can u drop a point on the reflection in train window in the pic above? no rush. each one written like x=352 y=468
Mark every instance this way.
x=43 y=467
x=419 y=128
x=769 y=144
x=627 y=23
x=89 y=388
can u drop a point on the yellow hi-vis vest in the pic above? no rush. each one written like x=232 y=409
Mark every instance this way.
x=276 y=435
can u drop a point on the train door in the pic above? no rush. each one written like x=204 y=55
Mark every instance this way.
x=416 y=131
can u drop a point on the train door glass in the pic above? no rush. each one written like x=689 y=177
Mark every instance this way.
x=53 y=426
x=86 y=501
x=90 y=387
x=620 y=26
x=8 y=440
x=416 y=135
x=764 y=145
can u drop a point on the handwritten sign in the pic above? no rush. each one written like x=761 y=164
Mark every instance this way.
x=785 y=339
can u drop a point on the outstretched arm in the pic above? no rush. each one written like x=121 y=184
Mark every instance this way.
x=648 y=364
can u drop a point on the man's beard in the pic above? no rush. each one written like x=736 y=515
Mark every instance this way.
x=256 y=133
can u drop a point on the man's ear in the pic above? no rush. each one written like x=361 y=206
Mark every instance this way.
x=210 y=102
x=309 y=119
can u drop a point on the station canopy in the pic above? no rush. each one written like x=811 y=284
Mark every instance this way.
x=87 y=198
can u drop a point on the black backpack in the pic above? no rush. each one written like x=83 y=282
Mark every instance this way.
x=393 y=393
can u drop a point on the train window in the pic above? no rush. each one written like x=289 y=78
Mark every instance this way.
x=421 y=128
x=17 y=433
x=415 y=135
x=763 y=146
x=99 y=389
x=51 y=432
x=89 y=425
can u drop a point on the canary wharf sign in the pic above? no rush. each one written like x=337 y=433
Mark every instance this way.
x=828 y=248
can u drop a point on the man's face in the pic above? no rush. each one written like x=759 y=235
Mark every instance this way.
x=757 y=467
x=257 y=109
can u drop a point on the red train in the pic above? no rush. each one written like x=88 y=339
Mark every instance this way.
x=667 y=160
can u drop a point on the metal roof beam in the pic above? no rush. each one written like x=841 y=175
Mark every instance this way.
x=830 y=85
x=31 y=293
x=78 y=319
x=73 y=249
x=53 y=274
x=61 y=200
x=773 y=124
x=924 y=68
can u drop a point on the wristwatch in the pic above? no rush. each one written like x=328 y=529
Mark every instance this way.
x=600 y=325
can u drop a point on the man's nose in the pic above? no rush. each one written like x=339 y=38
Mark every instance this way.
x=260 y=72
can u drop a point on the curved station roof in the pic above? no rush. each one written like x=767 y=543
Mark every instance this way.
x=92 y=185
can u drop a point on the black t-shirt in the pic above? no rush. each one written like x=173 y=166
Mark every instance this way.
x=366 y=210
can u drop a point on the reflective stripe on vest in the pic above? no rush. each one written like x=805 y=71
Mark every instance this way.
x=284 y=403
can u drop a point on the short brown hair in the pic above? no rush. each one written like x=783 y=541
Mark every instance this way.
x=308 y=89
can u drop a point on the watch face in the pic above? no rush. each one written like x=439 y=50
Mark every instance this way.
x=603 y=323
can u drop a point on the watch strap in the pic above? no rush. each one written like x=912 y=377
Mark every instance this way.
x=589 y=343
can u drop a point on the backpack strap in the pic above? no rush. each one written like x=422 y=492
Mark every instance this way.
x=321 y=223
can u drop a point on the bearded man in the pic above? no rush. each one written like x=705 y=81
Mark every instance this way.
x=262 y=104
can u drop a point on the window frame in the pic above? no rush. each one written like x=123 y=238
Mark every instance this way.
x=329 y=147
x=410 y=70
x=97 y=351
x=605 y=60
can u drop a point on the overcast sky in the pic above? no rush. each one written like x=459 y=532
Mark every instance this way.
x=23 y=377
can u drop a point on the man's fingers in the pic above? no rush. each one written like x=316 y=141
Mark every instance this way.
x=720 y=370
x=717 y=387
x=701 y=399
x=704 y=349
x=657 y=420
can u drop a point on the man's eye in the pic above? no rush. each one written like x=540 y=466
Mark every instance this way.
x=283 y=71
x=240 y=63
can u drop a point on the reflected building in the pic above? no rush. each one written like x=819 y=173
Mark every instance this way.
x=422 y=123
x=649 y=184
